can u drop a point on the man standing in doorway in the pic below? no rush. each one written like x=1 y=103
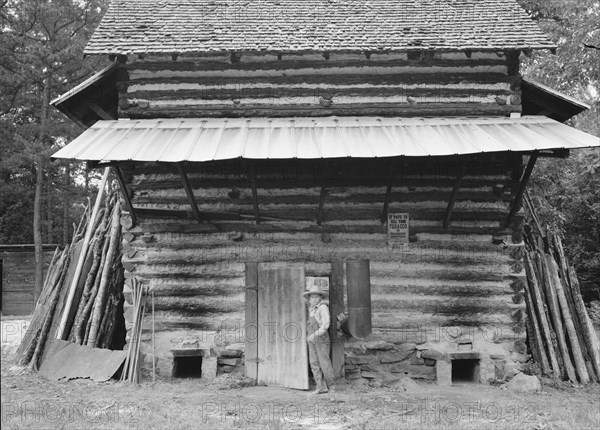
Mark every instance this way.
x=318 y=340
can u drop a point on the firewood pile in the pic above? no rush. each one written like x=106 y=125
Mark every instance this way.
x=87 y=310
x=561 y=335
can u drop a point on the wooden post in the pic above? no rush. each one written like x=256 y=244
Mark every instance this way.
x=570 y=328
x=336 y=303
x=551 y=295
x=522 y=186
x=128 y=204
x=251 y=321
x=187 y=185
x=589 y=334
x=457 y=182
x=535 y=336
x=153 y=343
x=60 y=333
x=541 y=315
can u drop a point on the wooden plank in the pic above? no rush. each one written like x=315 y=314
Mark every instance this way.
x=452 y=201
x=189 y=192
x=282 y=351
x=251 y=321
x=124 y=192
x=336 y=306
x=522 y=186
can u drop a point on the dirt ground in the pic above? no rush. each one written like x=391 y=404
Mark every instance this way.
x=30 y=401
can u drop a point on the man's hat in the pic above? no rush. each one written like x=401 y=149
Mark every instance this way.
x=314 y=289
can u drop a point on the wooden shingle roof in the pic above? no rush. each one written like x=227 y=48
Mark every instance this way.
x=302 y=26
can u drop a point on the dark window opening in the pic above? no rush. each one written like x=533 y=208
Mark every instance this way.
x=465 y=371
x=187 y=367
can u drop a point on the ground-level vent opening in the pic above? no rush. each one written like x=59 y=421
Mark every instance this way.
x=465 y=371
x=187 y=366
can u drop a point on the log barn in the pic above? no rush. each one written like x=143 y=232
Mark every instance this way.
x=379 y=148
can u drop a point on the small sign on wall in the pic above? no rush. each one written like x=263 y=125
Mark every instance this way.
x=397 y=227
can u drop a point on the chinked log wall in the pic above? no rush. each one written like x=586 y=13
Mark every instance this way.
x=448 y=282
x=440 y=84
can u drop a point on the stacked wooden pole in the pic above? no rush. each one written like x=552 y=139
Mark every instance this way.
x=561 y=336
x=87 y=310
x=131 y=368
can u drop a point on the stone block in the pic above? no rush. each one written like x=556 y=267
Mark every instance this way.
x=407 y=346
x=374 y=367
x=164 y=366
x=521 y=358
x=520 y=347
x=363 y=359
x=394 y=356
x=432 y=354
x=209 y=368
x=416 y=360
x=522 y=383
x=368 y=375
x=443 y=372
x=414 y=371
x=231 y=353
x=227 y=369
x=379 y=346
x=352 y=374
x=229 y=361
x=429 y=361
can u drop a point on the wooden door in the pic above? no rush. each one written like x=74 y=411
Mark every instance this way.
x=281 y=352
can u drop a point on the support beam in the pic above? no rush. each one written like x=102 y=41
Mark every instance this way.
x=119 y=174
x=99 y=111
x=189 y=191
x=522 y=186
x=388 y=191
x=98 y=165
x=455 y=189
x=252 y=174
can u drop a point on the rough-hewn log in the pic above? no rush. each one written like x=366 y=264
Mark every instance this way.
x=534 y=334
x=568 y=320
x=553 y=305
x=541 y=314
x=103 y=288
x=588 y=332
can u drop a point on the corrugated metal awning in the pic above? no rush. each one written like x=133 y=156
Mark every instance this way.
x=197 y=140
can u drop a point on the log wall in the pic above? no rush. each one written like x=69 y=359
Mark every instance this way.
x=450 y=286
x=430 y=84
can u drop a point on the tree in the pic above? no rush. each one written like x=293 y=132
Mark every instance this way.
x=41 y=49
x=567 y=192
